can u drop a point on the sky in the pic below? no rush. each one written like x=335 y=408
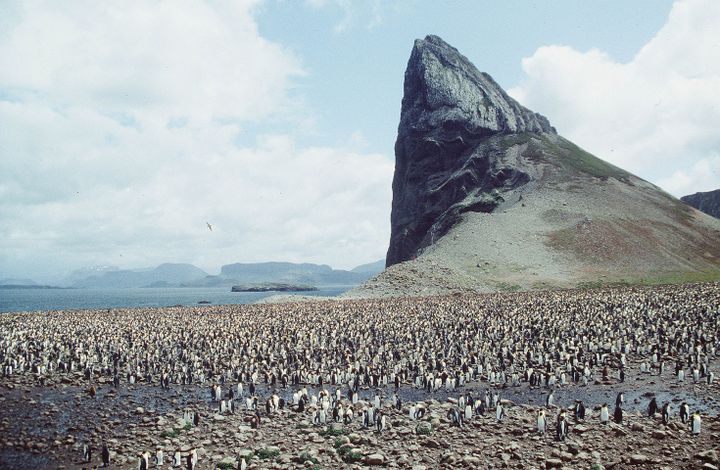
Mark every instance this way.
x=127 y=126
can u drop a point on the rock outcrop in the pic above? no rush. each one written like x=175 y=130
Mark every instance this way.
x=708 y=202
x=449 y=110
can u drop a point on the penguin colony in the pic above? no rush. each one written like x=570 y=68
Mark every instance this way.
x=428 y=365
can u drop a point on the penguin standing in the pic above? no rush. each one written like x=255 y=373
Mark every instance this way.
x=177 y=458
x=499 y=412
x=541 y=422
x=87 y=452
x=561 y=429
x=380 y=422
x=618 y=414
x=550 y=399
x=696 y=422
x=604 y=414
x=105 y=455
x=579 y=411
x=454 y=416
x=159 y=457
x=468 y=412
x=652 y=407
x=684 y=412
x=620 y=399
x=666 y=413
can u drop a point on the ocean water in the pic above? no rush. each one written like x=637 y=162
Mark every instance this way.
x=24 y=300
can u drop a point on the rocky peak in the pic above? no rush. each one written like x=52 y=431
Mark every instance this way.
x=442 y=86
x=447 y=158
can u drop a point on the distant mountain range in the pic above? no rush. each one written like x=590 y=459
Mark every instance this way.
x=165 y=275
x=187 y=275
x=287 y=273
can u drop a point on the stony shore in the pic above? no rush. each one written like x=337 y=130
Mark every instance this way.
x=46 y=425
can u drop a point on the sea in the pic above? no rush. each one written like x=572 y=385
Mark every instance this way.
x=30 y=300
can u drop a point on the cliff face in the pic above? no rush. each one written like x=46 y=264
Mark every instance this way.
x=449 y=110
x=708 y=202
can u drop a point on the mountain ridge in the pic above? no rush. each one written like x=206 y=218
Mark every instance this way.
x=187 y=275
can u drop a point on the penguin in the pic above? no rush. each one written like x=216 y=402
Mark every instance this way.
x=561 y=429
x=652 y=407
x=243 y=465
x=468 y=412
x=194 y=457
x=550 y=399
x=579 y=411
x=696 y=422
x=541 y=422
x=87 y=452
x=159 y=457
x=684 y=412
x=380 y=422
x=666 y=413
x=604 y=415
x=177 y=458
x=454 y=416
x=411 y=412
x=618 y=414
x=143 y=463
x=499 y=412
x=105 y=455
x=620 y=399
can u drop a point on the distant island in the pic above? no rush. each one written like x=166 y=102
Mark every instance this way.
x=273 y=287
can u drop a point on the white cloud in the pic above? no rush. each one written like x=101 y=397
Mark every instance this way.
x=702 y=176
x=119 y=140
x=656 y=115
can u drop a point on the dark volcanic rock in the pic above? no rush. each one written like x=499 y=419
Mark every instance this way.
x=708 y=202
x=449 y=153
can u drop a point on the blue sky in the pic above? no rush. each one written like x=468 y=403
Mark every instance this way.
x=129 y=125
x=355 y=52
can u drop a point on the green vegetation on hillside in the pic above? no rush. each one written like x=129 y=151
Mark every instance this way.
x=659 y=279
x=574 y=157
x=555 y=149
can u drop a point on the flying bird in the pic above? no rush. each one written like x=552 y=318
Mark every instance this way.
x=209 y=226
